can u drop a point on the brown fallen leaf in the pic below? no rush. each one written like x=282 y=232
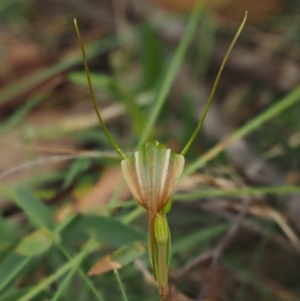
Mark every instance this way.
x=100 y=194
x=104 y=265
x=118 y=259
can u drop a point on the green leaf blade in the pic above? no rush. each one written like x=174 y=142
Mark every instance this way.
x=172 y=71
x=38 y=214
x=106 y=230
x=35 y=243
x=118 y=259
x=11 y=267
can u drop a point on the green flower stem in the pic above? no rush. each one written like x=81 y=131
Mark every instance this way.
x=162 y=253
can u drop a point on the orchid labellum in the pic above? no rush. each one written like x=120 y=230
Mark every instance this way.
x=151 y=174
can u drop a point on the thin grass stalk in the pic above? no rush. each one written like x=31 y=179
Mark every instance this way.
x=89 y=247
x=64 y=284
x=121 y=285
x=11 y=276
x=285 y=103
x=171 y=72
x=83 y=275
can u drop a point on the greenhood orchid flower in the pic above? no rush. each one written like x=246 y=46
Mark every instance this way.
x=152 y=173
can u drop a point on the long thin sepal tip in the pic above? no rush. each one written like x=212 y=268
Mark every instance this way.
x=113 y=143
x=213 y=90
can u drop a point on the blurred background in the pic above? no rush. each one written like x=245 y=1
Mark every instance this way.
x=60 y=179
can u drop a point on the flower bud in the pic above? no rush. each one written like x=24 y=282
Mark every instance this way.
x=161 y=229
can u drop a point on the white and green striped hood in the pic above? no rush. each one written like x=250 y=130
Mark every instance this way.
x=152 y=173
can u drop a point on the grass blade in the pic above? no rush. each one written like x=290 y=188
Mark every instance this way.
x=83 y=275
x=172 y=71
x=35 y=243
x=249 y=127
x=76 y=260
x=11 y=267
x=121 y=285
x=255 y=191
x=106 y=230
x=64 y=284
x=20 y=113
x=38 y=214
x=118 y=259
x=29 y=82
